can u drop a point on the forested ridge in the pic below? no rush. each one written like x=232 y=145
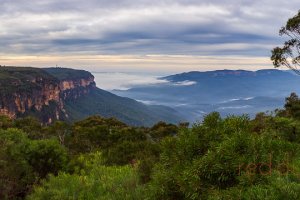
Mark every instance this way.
x=97 y=158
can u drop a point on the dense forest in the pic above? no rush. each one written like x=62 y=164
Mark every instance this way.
x=219 y=158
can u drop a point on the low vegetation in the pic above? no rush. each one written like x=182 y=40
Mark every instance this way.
x=220 y=158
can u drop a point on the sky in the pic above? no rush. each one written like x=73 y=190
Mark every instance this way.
x=142 y=35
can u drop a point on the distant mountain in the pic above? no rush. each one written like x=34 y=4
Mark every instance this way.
x=195 y=93
x=66 y=94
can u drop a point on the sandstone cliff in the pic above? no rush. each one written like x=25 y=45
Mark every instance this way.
x=25 y=91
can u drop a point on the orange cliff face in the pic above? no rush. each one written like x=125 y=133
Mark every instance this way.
x=6 y=112
x=42 y=93
x=73 y=89
x=71 y=84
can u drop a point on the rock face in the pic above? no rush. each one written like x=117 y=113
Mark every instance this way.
x=73 y=89
x=26 y=91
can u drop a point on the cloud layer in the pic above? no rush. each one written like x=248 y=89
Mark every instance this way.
x=142 y=27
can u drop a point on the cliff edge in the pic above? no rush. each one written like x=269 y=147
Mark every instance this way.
x=41 y=92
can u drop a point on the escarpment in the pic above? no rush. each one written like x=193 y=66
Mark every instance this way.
x=41 y=92
x=51 y=94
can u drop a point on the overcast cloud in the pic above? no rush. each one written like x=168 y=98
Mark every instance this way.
x=142 y=27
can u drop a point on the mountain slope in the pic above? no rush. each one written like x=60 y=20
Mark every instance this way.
x=127 y=110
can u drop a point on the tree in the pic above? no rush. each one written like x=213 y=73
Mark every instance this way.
x=292 y=106
x=16 y=175
x=30 y=125
x=24 y=162
x=162 y=129
x=46 y=156
x=60 y=130
x=289 y=54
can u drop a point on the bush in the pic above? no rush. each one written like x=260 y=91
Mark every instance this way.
x=23 y=162
x=94 y=181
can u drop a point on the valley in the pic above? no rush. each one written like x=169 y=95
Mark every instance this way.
x=195 y=94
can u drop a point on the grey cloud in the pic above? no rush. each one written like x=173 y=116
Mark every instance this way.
x=193 y=27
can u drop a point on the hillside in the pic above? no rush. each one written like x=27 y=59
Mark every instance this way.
x=65 y=94
x=106 y=104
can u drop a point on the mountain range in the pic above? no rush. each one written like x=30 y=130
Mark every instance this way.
x=195 y=94
x=66 y=94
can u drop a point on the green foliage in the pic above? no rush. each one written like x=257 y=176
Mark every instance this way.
x=60 y=130
x=279 y=187
x=93 y=182
x=119 y=143
x=23 y=162
x=219 y=155
x=97 y=158
x=123 y=153
x=95 y=132
x=5 y=122
x=292 y=106
x=162 y=129
x=288 y=54
x=22 y=80
x=30 y=125
x=284 y=128
x=177 y=155
x=16 y=175
x=46 y=156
